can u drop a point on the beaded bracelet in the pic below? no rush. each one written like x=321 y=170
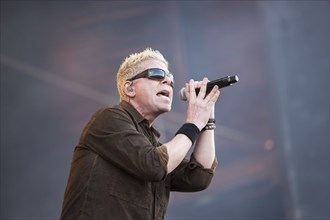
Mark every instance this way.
x=210 y=125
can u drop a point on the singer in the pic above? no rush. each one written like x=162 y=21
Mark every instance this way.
x=119 y=169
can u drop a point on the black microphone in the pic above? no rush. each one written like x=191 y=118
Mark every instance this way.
x=221 y=83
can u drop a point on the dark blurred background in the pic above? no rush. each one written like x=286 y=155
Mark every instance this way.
x=58 y=65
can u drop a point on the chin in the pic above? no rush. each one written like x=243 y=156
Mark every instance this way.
x=166 y=108
x=169 y=109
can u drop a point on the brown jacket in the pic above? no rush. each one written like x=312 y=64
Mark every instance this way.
x=119 y=170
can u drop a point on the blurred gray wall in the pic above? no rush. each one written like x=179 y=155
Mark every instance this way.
x=298 y=42
x=58 y=65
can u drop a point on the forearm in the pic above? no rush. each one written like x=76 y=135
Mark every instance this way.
x=200 y=109
x=204 y=151
x=177 y=149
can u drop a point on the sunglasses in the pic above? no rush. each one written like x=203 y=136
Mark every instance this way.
x=155 y=74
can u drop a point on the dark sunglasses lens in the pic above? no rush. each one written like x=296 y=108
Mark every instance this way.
x=157 y=74
x=169 y=75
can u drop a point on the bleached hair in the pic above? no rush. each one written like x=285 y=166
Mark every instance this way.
x=131 y=66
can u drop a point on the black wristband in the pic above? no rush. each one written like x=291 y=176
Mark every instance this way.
x=190 y=130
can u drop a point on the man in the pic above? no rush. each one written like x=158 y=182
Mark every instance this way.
x=119 y=169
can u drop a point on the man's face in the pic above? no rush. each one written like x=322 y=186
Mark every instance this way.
x=153 y=97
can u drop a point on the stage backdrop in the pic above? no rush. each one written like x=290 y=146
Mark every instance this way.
x=58 y=65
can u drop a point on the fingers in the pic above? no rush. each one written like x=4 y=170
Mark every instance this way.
x=192 y=93
x=188 y=88
x=201 y=106
x=213 y=95
x=202 y=90
x=202 y=86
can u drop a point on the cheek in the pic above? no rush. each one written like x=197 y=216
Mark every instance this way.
x=144 y=91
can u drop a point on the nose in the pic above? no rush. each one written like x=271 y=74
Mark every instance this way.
x=167 y=81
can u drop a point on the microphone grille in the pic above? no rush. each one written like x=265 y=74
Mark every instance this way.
x=182 y=95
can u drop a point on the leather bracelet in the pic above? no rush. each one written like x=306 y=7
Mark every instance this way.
x=211 y=120
x=190 y=130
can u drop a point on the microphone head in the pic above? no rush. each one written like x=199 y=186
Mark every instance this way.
x=182 y=95
x=234 y=79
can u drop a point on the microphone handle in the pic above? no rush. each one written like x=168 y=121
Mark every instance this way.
x=221 y=83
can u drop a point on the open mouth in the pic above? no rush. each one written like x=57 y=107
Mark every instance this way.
x=164 y=93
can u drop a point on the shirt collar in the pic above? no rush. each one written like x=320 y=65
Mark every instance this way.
x=128 y=107
x=137 y=116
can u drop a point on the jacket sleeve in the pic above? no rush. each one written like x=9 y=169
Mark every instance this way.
x=191 y=176
x=113 y=135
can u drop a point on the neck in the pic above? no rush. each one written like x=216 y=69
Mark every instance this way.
x=150 y=117
x=144 y=112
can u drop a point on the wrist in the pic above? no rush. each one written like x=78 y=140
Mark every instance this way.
x=190 y=130
x=210 y=124
x=199 y=125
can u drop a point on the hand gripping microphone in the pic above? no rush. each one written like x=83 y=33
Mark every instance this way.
x=221 y=83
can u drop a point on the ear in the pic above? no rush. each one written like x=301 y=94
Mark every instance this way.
x=129 y=89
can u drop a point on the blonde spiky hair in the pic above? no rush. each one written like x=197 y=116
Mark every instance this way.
x=131 y=66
